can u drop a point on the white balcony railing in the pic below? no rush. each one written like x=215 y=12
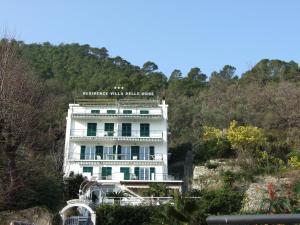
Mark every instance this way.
x=117 y=133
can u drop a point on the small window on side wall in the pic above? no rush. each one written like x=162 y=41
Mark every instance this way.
x=95 y=111
x=111 y=111
x=127 y=111
x=144 y=111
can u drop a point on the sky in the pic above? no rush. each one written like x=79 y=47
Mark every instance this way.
x=174 y=34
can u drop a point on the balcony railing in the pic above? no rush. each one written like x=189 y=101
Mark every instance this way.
x=116 y=134
x=108 y=157
x=117 y=113
x=132 y=177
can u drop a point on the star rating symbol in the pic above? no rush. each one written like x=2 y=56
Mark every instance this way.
x=118 y=87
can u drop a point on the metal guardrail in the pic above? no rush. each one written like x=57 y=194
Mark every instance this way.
x=255 y=219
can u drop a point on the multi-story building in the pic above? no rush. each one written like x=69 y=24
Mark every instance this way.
x=118 y=142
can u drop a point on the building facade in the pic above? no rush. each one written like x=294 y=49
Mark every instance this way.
x=117 y=145
x=118 y=141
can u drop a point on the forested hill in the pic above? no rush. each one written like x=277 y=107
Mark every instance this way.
x=43 y=78
x=196 y=99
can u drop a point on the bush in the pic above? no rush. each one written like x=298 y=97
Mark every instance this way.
x=212 y=149
x=124 y=215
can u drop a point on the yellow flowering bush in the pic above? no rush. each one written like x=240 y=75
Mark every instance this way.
x=294 y=162
x=245 y=137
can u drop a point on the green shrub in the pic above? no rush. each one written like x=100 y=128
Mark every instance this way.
x=124 y=215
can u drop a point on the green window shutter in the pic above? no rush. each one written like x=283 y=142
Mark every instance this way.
x=137 y=172
x=110 y=111
x=91 y=129
x=114 y=151
x=82 y=152
x=135 y=151
x=152 y=171
x=94 y=111
x=126 y=129
x=99 y=151
x=125 y=170
x=144 y=129
x=152 y=153
x=119 y=152
x=109 y=128
x=144 y=111
x=88 y=169
x=106 y=171
x=127 y=111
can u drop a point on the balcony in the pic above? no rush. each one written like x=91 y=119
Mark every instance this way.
x=118 y=159
x=109 y=114
x=131 y=177
x=128 y=135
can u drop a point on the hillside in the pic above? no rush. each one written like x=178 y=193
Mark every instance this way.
x=253 y=116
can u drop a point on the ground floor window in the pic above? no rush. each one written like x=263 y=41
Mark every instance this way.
x=106 y=173
x=87 y=169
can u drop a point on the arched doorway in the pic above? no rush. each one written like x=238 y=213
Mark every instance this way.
x=90 y=219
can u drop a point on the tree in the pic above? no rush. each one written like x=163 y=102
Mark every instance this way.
x=20 y=101
x=247 y=140
x=176 y=75
x=149 y=67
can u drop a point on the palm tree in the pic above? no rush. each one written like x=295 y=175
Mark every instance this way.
x=117 y=196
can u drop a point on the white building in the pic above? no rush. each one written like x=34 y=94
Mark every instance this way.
x=121 y=145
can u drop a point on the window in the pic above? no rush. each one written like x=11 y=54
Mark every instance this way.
x=127 y=111
x=109 y=129
x=125 y=153
x=144 y=129
x=126 y=129
x=82 y=152
x=87 y=153
x=152 y=152
x=90 y=153
x=144 y=153
x=144 y=173
x=99 y=152
x=125 y=170
x=144 y=111
x=95 y=111
x=108 y=153
x=91 y=129
x=135 y=152
x=87 y=169
x=152 y=173
x=106 y=173
x=111 y=111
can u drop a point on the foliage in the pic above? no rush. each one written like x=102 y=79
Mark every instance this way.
x=266 y=98
x=189 y=210
x=124 y=215
x=72 y=185
x=158 y=190
x=245 y=138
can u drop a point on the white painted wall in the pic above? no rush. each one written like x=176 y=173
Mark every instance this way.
x=72 y=149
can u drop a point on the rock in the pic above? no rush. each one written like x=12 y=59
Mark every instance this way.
x=36 y=215
x=208 y=176
x=257 y=192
